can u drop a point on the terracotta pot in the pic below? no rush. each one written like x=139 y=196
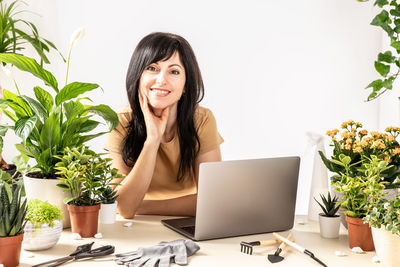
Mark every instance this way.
x=10 y=250
x=84 y=219
x=360 y=234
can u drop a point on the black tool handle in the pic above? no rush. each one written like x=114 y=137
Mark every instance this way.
x=101 y=251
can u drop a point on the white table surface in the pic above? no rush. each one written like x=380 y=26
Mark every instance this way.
x=148 y=230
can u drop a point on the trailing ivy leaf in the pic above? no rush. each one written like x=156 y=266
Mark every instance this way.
x=37 y=108
x=395 y=12
x=104 y=111
x=23 y=127
x=395 y=45
x=381 y=3
x=393 y=3
x=372 y=95
x=30 y=65
x=382 y=68
x=376 y=85
x=387 y=83
x=382 y=20
x=386 y=57
x=73 y=90
x=44 y=98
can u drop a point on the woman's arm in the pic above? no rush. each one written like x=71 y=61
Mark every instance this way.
x=137 y=180
x=181 y=206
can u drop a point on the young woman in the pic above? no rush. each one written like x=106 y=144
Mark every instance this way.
x=163 y=135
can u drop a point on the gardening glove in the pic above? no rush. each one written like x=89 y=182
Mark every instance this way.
x=162 y=254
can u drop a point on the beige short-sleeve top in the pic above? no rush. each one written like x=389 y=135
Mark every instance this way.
x=164 y=184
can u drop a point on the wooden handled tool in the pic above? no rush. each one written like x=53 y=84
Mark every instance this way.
x=299 y=248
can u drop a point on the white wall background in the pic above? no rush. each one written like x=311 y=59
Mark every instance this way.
x=273 y=70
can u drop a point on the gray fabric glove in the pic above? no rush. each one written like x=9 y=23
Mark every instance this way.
x=162 y=254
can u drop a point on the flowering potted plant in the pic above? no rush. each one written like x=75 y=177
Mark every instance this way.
x=358 y=144
x=43 y=228
x=12 y=216
x=49 y=123
x=329 y=221
x=359 y=191
x=384 y=218
x=86 y=176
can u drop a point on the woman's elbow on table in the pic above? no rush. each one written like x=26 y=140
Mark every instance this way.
x=125 y=213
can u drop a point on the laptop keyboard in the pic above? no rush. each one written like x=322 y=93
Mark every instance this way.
x=189 y=229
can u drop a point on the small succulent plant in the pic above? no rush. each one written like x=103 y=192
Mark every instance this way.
x=12 y=212
x=108 y=196
x=330 y=205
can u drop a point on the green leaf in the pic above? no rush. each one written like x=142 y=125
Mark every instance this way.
x=73 y=109
x=395 y=45
x=29 y=151
x=387 y=83
x=37 y=108
x=382 y=20
x=386 y=57
x=382 y=68
x=23 y=127
x=104 y=111
x=88 y=126
x=51 y=133
x=376 y=85
x=30 y=65
x=16 y=103
x=73 y=90
x=381 y=3
x=44 y=98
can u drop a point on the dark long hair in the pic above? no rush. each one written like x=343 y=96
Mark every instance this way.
x=151 y=49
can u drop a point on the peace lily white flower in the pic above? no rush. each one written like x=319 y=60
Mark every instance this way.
x=386 y=205
x=7 y=71
x=77 y=35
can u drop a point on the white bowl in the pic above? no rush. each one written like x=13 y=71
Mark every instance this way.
x=41 y=238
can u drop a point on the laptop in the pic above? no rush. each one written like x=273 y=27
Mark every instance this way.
x=242 y=197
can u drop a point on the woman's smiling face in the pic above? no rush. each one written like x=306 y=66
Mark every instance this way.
x=163 y=82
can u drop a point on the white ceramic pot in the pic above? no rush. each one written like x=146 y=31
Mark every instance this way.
x=387 y=246
x=329 y=226
x=41 y=238
x=107 y=213
x=47 y=190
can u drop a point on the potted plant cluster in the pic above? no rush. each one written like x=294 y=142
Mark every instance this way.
x=360 y=191
x=16 y=33
x=359 y=144
x=384 y=218
x=43 y=228
x=12 y=216
x=86 y=176
x=49 y=123
x=329 y=221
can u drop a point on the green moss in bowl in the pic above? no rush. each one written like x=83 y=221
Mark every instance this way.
x=42 y=212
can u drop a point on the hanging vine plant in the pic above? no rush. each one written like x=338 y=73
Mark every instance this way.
x=388 y=62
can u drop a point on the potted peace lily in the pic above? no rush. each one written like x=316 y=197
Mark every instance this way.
x=329 y=221
x=12 y=215
x=43 y=228
x=49 y=123
x=359 y=191
x=384 y=218
x=16 y=34
x=86 y=176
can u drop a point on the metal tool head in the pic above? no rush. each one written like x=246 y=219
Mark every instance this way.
x=82 y=248
x=247 y=247
x=274 y=258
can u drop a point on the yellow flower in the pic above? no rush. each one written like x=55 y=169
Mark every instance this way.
x=332 y=133
x=347 y=146
x=396 y=150
x=358 y=149
x=363 y=132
